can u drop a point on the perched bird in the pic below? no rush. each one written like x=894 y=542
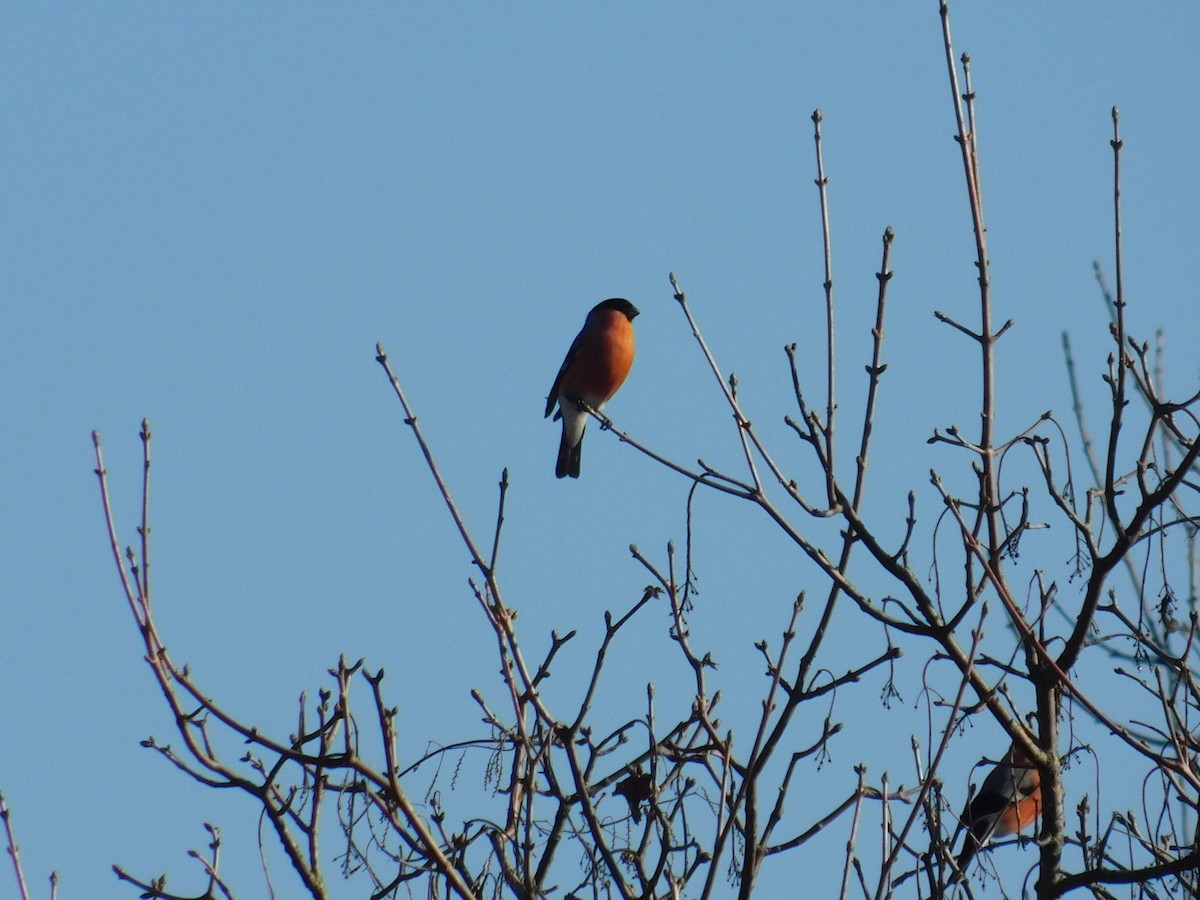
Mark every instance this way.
x=1009 y=801
x=595 y=367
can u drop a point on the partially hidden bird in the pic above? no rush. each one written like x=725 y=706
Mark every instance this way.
x=1009 y=801
x=595 y=368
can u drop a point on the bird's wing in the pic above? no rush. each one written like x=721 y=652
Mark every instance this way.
x=552 y=398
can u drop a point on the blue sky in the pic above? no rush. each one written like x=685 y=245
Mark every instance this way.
x=213 y=211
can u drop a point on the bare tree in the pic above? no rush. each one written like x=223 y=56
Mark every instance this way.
x=14 y=855
x=671 y=802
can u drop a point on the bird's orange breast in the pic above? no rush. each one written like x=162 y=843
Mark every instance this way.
x=603 y=362
x=1020 y=815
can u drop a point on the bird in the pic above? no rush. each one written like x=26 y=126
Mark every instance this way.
x=595 y=367
x=1009 y=801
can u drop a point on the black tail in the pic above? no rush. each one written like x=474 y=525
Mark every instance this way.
x=971 y=846
x=568 y=458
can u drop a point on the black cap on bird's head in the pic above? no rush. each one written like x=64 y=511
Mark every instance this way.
x=617 y=304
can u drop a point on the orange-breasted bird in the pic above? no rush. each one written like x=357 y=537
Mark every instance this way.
x=1009 y=801
x=596 y=366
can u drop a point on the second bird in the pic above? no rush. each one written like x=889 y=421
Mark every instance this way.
x=596 y=366
x=1009 y=801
